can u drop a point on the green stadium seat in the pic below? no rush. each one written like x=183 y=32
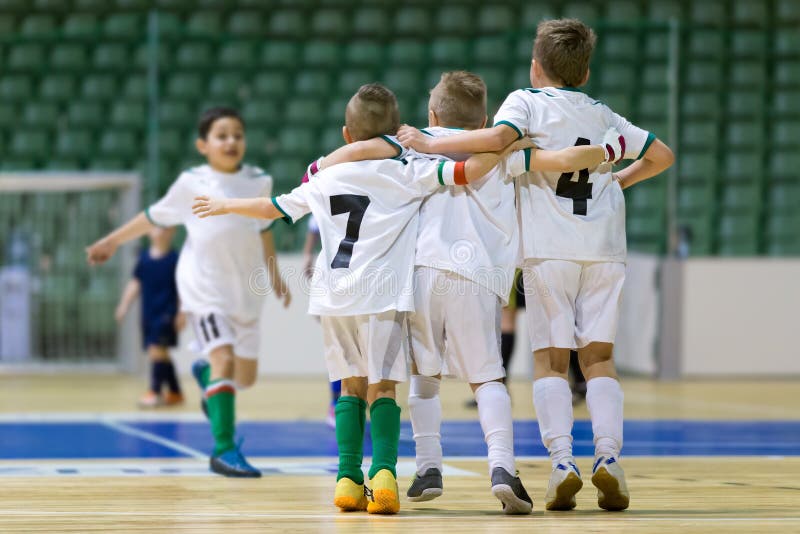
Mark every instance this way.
x=533 y=13
x=618 y=76
x=654 y=76
x=787 y=73
x=90 y=6
x=81 y=25
x=749 y=13
x=68 y=57
x=246 y=24
x=620 y=46
x=523 y=50
x=226 y=86
x=650 y=200
x=496 y=19
x=521 y=77
x=656 y=46
x=119 y=144
x=786 y=42
x=331 y=139
x=787 y=11
x=708 y=13
x=196 y=55
x=454 y=20
x=8 y=23
x=786 y=103
x=785 y=164
x=351 y=79
x=30 y=143
x=129 y=25
x=450 y=52
x=16 y=163
x=128 y=114
x=783 y=225
x=698 y=166
x=279 y=54
x=698 y=134
x=15 y=6
x=9 y=115
x=363 y=53
x=177 y=5
x=407 y=52
x=141 y=57
x=703 y=74
x=74 y=143
x=135 y=87
x=335 y=110
x=99 y=87
x=750 y=74
x=27 y=58
x=15 y=88
x=312 y=83
x=497 y=83
x=61 y=164
x=743 y=165
x=744 y=134
x=172 y=143
x=618 y=99
x=330 y=23
x=204 y=23
x=784 y=197
x=738 y=234
x=40 y=115
x=700 y=232
x=700 y=104
x=370 y=21
x=287 y=24
x=298 y=141
x=653 y=104
x=623 y=11
x=706 y=44
x=491 y=51
x=696 y=196
x=39 y=25
x=287 y=173
x=583 y=10
x=304 y=112
x=327 y=54
x=169 y=24
x=261 y=112
x=786 y=133
x=748 y=43
x=644 y=227
x=745 y=104
x=237 y=55
x=111 y=56
x=57 y=87
x=185 y=85
x=741 y=197
x=413 y=21
x=274 y=84
x=86 y=113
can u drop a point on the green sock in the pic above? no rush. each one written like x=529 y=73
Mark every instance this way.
x=351 y=415
x=205 y=376
x=385 y=429
x=221 y=398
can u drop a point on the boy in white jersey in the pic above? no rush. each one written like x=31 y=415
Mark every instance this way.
x=216 y=264
x=466 y=251
x=573 y=243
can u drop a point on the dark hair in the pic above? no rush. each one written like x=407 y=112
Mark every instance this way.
x=459 y=100
x=371 y=112
x=211 y=115
x=563 y=48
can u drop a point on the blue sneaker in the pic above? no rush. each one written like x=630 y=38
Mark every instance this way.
x=232 y=463
x=198 y=367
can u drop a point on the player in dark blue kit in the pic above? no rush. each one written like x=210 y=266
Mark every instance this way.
x=154 y=278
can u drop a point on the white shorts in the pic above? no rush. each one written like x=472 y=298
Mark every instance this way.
x=456 y=327
x=214 y=330
x=570 y=304
x=371 y=346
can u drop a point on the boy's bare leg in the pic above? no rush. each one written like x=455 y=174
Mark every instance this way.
x=245 y=371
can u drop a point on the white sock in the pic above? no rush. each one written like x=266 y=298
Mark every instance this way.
x=604 y=399
x=553 y=401
x=494 y=411
x=425 y=411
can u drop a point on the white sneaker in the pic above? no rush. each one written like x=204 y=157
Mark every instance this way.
x=609 y=479
x=565 y=482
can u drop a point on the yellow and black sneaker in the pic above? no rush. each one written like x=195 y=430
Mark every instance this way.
x=349 y=496
x=384 y=497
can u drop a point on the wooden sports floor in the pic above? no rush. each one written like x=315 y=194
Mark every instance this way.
x=76 y=456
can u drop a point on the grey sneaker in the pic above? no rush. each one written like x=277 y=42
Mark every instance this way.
x=426 y=487
x=609 y=479
x=509 y=490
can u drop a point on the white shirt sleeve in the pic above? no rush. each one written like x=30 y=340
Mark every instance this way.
x=173 y=208
x=402 y=152
x=518 y=162
x=430 y=174
x=514 y=113
x=293 y=205
x=266 y=191
x=637 y=141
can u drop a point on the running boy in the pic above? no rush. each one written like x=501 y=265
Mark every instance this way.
x=573 y=243
x=216 y=265
x=154 y=279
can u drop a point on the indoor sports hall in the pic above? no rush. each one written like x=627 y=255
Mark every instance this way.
x=99 y=103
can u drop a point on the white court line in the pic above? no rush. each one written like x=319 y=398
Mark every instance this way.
x=149 y=436
x=337 y=516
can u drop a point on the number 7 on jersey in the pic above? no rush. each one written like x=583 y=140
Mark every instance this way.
x=355 y=205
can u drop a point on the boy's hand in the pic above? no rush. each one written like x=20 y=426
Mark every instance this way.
x=614 y=146
x=282 y=290
x=410 y=137
x=119 y=313
x=206 y=207
x=100 y=251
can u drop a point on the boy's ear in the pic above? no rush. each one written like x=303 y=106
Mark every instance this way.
x=200 y=145
x=347 y=137
x=433 y=120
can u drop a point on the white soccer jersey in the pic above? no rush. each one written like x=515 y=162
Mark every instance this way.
x=367 y=213
x=222 y=257
x=471 y=230
x=573 y=216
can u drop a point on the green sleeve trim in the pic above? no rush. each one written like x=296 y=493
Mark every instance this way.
x=267 y=229
x=519 y=134
x=527 y=153
x=397 y=146
x=426 y=132
x=439 y=172
x=286 y=218
x=650 y=138
x=150 y=218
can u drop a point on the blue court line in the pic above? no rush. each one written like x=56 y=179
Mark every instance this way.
x=90 y=439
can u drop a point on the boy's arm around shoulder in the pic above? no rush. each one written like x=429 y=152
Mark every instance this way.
x=491 y=139
x=655 y=160
x=257 y=208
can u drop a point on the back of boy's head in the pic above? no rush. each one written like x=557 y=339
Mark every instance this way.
x=372 y=112
x=459 y=100
x=211 y=115
x=563 y=48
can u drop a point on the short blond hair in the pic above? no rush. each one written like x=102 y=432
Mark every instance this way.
x=459 y=100
x=371 y=112
x=563 y=48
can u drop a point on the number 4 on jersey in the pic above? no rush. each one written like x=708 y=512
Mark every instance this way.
x=356 y=205
x=578 y=191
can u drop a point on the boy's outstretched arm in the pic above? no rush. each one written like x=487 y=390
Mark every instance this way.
x=575 y=158
x=271 y=260
x=103 y=249
x=657 y=159
x=375 y=148
x=257 y=208
x=478 y=165
x=484 y=140
x=128 y=296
